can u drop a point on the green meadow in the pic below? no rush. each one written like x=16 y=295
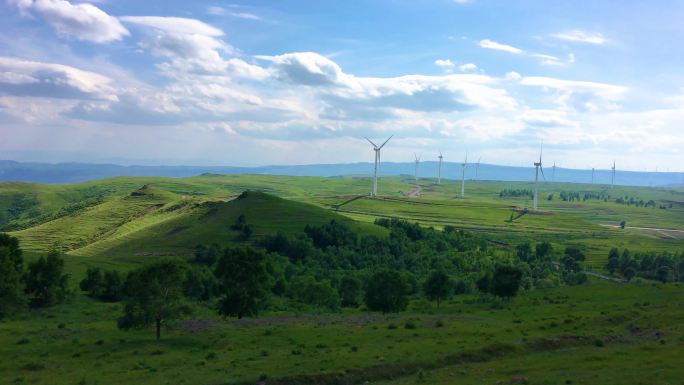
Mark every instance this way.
x=599 y=332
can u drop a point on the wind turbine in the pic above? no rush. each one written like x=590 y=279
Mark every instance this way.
x=417 y=162
x=377 y=163
x=612 y=177
x=463 y=170
x=439 y=170
x=592 y=175
x=538 y=167
x=553 y=174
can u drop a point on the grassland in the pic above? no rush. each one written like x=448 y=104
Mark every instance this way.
x=596 y=333
x=117 y=218
x=616 y=334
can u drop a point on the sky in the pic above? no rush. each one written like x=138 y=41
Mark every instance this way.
x=301 y=82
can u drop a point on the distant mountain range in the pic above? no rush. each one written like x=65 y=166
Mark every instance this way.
x=11 y=171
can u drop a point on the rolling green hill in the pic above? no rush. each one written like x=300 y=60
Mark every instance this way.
x=211 y=222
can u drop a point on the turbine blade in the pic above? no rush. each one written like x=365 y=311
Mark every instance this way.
x=383 y=145
x=371 y=142
x=542 y=172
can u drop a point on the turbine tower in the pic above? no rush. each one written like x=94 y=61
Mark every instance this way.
x=612 y=177
x=553 y=173
x=592 y=175
x=463 y=170
x=537 y=167
x=377 y=149
x=417 y=157
x=439 y=170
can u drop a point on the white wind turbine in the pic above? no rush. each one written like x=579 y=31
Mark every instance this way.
x=537 y=167
x=463 y=170
x=612 y=176
x=593 y=170
x=439 y=169
x=417 y=160
x=377 y=149
x=553 y=173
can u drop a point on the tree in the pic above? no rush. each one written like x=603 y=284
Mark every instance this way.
x=350 y=291
x=106 y=287
x=308 y=290
x=623 y=224
x=244 y=281
x=629 y=273
x=154 y=295
x=45 y=283
x=543 y=250
x=200 y=283
x=386 y=292
x=437 y=286
x=506 y=281
x=11 y=268
x=524 y=252
x=484 y=283
x=613 y=260
x=664 y=274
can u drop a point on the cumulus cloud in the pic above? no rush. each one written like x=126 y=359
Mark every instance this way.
x=579 y=36
x=306 y=68
x=490 y=44
x=31 y=78
x=81 y=21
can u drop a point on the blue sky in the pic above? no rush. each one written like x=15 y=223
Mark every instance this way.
x=293 y=82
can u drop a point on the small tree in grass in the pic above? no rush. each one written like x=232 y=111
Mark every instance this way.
x=244 y=281
x=46 y=285
x=506 y=281
x=386 y=292
x=437 y=286
x=154 y=295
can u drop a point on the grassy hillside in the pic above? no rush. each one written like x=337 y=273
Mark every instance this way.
x=102 y=218
x=211 y=222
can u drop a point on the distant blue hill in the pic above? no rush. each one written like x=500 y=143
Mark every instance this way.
x=80 y=172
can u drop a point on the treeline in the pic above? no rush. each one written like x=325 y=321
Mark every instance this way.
x=515 y=193
x=664 y=266
x=572 y=196
x=632 y=201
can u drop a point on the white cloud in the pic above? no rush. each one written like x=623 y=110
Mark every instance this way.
x=175 y=25
x=31 y=78
x=81 y=21
x=306 y=68
x=580 y=36
x=512 y=75
x=446 y=64
x=490 y=44
x=580 y=95
x=468 y=67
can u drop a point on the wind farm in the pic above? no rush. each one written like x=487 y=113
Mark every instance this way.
x=188 y=196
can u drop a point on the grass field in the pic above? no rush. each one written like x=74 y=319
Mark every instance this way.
x=615 y=333
x=596 y=333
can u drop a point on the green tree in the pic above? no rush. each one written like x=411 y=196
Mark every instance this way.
x=437 y=286
x=524 y=252
x=154 y=295
x=318 y=293
x=613 y=260
x=506 y=281
x=386 y=292
x=11 y=268
x=543 y=250
x=350 y=291
x=244 y=281
x=46 y=285
x=93 y=283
